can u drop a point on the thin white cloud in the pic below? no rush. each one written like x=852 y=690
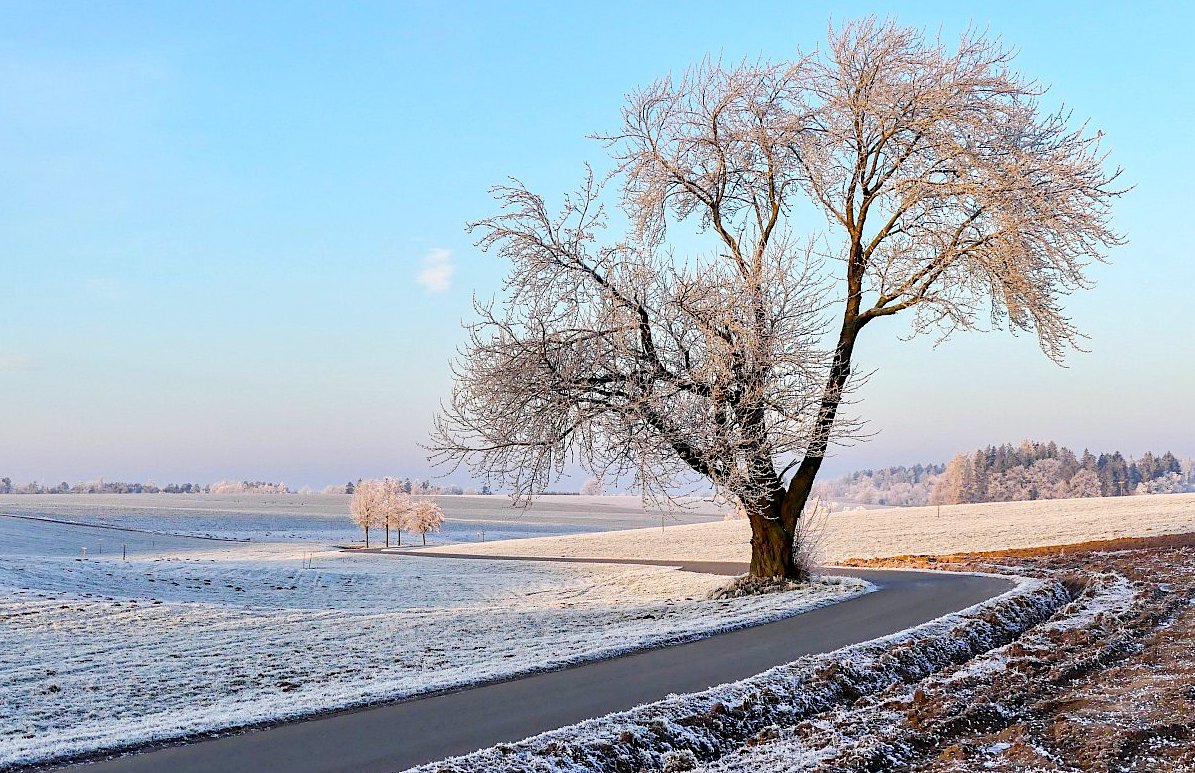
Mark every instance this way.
x=438 y=268
x=15 y=362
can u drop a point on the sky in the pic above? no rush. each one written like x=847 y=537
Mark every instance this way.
x=233 y=243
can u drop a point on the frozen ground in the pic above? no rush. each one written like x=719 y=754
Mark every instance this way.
x=1088 y=667
x=893 y=532
x=1107 y=684
x=323 y=518
x=191 y=635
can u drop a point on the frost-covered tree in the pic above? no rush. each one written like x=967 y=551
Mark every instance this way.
x=425 y=516
x=951 y=198
x=369 y=505
x=397 y=507
x=1085 y=483
x=591 y=488
x=1046 y=480
x=1165 y=483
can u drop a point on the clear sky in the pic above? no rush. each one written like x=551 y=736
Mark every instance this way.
x=232 y=234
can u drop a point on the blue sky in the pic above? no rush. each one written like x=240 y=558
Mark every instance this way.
x=214 y=219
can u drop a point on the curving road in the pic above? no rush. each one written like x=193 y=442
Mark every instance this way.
x=399 y=735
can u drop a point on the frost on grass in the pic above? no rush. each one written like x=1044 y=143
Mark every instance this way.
x=747 y=585
x=889 y=532
x=193 y=636
x=673 y=733
x=1107 y=683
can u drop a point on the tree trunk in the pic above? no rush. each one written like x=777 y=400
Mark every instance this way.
x=425 y=538
x=387 y=535
x=775 y=548
x=774 y=521
x=772 y=553
x=400 y=538
x=366 y=536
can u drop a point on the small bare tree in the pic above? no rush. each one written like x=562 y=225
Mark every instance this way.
x=948 y=194
x=426 y=516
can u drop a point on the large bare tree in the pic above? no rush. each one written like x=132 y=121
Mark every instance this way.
x=949 y=196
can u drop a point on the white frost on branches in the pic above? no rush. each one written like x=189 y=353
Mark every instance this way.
x=946 y=191
x=381 y=503
x=424 y=516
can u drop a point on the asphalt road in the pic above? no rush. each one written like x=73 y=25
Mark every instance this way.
x=396 y=736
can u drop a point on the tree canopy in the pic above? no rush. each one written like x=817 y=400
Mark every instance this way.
x=947 y=194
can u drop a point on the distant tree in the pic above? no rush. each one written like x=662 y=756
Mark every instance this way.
x=1148 y=467
x=368 y=505
x=349 y=488
x=591 y=487
x=426 y=516
x=5 y=485
x=950 y=487
x=1085 y=483
x=1166 y=483
x=949 y=194
x=396 y=508
x=1046 y=480
x=485 y=489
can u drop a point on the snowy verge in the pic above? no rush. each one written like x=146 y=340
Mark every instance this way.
x=879 y=734
x=676 y=732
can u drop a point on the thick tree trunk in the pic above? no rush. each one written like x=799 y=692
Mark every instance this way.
x=772 y=553
x=366 y=536
x=775 y=549
x=387 y=535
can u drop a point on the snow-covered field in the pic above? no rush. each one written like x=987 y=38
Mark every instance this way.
x=190 y=635
x=890 y=532
x=323 y=518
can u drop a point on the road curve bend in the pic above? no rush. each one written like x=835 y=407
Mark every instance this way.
x=400 y=735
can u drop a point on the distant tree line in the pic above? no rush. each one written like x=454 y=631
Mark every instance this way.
x=1031 y=470
x=1009 y=473
x=892 y=486
x=409 y=486
x=415 y=488
x=101 y=487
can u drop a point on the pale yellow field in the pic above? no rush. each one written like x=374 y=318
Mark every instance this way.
x=897 y=531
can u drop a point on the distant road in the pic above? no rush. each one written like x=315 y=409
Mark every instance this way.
x=400 y=735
